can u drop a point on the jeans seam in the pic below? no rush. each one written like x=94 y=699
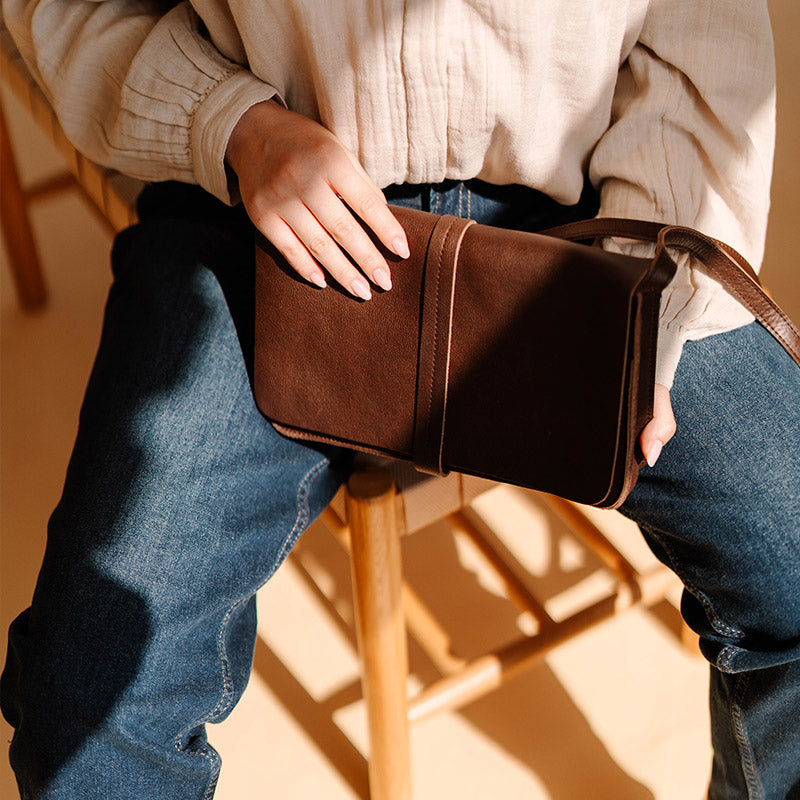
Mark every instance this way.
x=745 y=750
x=725 y=657
x=303 y=513
x=460 y=192
x=212 y=784
x=203 y=753
x=716 y=622
x=469 y=203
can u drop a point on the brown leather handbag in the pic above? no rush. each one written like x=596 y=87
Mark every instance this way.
x=521 y=357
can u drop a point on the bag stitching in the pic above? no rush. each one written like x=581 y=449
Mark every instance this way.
x=436 y=317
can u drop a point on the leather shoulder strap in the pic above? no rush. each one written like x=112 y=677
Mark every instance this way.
x=727 y=266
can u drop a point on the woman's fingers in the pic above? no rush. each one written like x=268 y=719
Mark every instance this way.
x=338 y=221
x=367 y=200
x=661 y=428
x=320 y=247
x=292 y=249
x=303 y=190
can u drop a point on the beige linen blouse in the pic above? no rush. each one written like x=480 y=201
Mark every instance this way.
x=669 y=104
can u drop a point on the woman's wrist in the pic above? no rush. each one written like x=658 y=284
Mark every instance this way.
x=256 y=118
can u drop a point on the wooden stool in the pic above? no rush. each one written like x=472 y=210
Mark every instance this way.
x=385 y=500
x=382 y=501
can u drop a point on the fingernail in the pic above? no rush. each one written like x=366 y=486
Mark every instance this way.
x=360 y=288
x=654 y=452
x=319 y=279
x=400 y=246
x=381 y=277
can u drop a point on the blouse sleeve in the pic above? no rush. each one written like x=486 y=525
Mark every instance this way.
x=136 y=85
x=691 y=142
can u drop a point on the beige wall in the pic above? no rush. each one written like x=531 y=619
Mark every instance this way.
x=781 y=270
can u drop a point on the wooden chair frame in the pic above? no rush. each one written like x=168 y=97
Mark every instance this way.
x=369 y=519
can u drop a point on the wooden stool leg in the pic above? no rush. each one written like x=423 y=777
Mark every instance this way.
x=22 y=255
x=375 y=559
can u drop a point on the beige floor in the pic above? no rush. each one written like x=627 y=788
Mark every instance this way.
x=618 y=714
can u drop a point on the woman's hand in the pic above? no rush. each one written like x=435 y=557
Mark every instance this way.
x=661 y=428
x=295 y=177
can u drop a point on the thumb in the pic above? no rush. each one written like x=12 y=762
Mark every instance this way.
x=661 y=428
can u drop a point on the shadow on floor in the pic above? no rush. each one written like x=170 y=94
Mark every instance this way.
x=531 y=717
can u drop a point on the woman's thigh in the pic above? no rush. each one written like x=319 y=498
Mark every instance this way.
x=722 y=504
x=179 y=502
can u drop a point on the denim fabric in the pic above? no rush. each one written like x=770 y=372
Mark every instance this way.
x=181 y=501
x=722 y=508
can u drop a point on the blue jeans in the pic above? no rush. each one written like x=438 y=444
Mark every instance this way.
x=181 y=501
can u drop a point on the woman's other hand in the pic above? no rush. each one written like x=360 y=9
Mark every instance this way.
x=295 y=178
x=661 y=428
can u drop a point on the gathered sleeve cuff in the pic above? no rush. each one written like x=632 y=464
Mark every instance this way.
x=136 y=89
